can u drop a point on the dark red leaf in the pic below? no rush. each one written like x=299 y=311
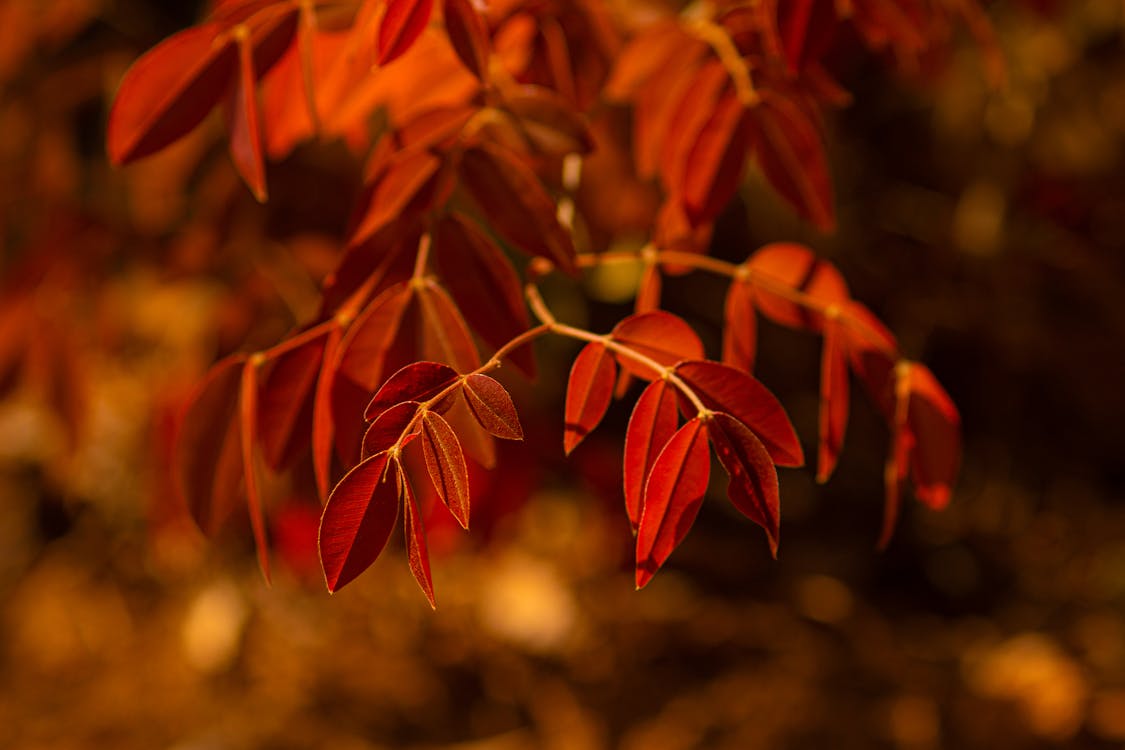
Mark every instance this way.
x=936 y=429
x=285 y=403
x=655 y=108
x=435 y=128
x=779 y=269
x=516 y=205
x=753 y=478
x=872 y=352
x=484 y=284
x=740 y=326
x=168 y=92
x=833 y=416
x=716 y=160
x=658 y=335
x=208 y=461
x=689 y=118
x=469 y=36
x=248 y=424
x=420 y=381
x=388 y=428
x=416 y=551
x=403 y=22
x=403 y=178
x=364 y=346
x=245 y=126
x=445 y=334
x=588 y=393
x=725 y=389
x=492 y=407
x=446 y=465
x=673 y=495
x=358 y=520
x=324 y=428
x=549 y=121
x=650 y=428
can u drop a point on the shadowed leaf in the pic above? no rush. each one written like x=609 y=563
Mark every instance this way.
x=832 y=420
x=753 y=478
x=468 y=35
x=402 y=23
x=248 y=423
x=740 y=327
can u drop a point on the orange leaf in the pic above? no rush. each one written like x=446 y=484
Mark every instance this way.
x=716 y=160
x=651 y=426
x=673 y=495
x=364 y=346
x=285 y=403
x=588 y=392
x=168 y=92
x=468 y=35
x=740 y=326
x=492 y=407
x=416 y=551
x=402 y=23
x=833 y=416
x=404 y=178
x=689 y=118
x=244 y=124
x=248 y=419
x=446 y=465
x=658 y=335
x=741 y=395
x=753 y=478
x=358 y=520
x=779 y=267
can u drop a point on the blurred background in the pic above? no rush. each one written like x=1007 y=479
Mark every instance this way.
x=985 y=225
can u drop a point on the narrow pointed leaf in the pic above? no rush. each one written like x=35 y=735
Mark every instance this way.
x=285 y=403
x=492 y=407
x=358 y=520
x=588 y=393
x=651 y=426
x=898 y=460
x=446 y=464
x=673 y=495
x=248 y=416
x=833 y=415
x=468 y=35
x=420 y=381
x=401 y=180
x=658 y=335
x=168 y=92
x=416 y=552
x=725 y=389
x=753 y=478
x=740 y=327
x=244 y=123
x=782 y=266
x=324 y=429
x=403 y=22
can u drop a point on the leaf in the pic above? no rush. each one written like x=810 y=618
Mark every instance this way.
x=364 y=346
x=420 y=381
x=168 y=92
x=445 y=334
x=403 y=179
x=655 y=108
x=690 y=116
x=741 y=395
x=588 y=393
x=324 y=428
x=285 y=403
x=549 y=121
x=402 y=24
x=673 y=495
x=476 y=441
x=483 y=283
x=753 y=478
x=779 y=267
x=935 y=426
x=446 y=465
x=468 y=35
x=208 y=462
x=492 y=407
x=416 y=551
x=389 y=427
x=357 y=521
x=658 y=335
x=248 y=423
x=790 y=151
x=833 y=415
x=740 y=326
x=716 y=160
x=516 y=205
x=245 y=126
x=651 y=426
x=872 y=353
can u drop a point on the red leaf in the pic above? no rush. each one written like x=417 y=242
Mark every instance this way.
x=753 y=478
x=389 y=427
x=357 y=520
x=446 y=465
x=244 y=124
x=386 y=199
x=588 y=393
x=650 y=427
x=791 y=153
x=716 y=160
x=689 y=118
x=872 y=352
x=435 y=128
x=403 y=22
x=516 y=205
x=248 y=422
x=935 y=427
x=477 y=442
x=420 y=381
x=782 y=266
x=285 y=403
x=324 y=429
x=673 y=494
x=740 y=326
x=168 y=92
x=655 y=106
x=833 y=416
x=658 y=335
x=445 y=334
x=207 y=454
x=468 y=35
x=492 y=407
x=364 y=346
x=725 y=389
x=416 y=551
x=549 y=122
x=484 y=284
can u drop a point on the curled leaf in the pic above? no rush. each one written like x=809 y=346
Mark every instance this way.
x=740 y=326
